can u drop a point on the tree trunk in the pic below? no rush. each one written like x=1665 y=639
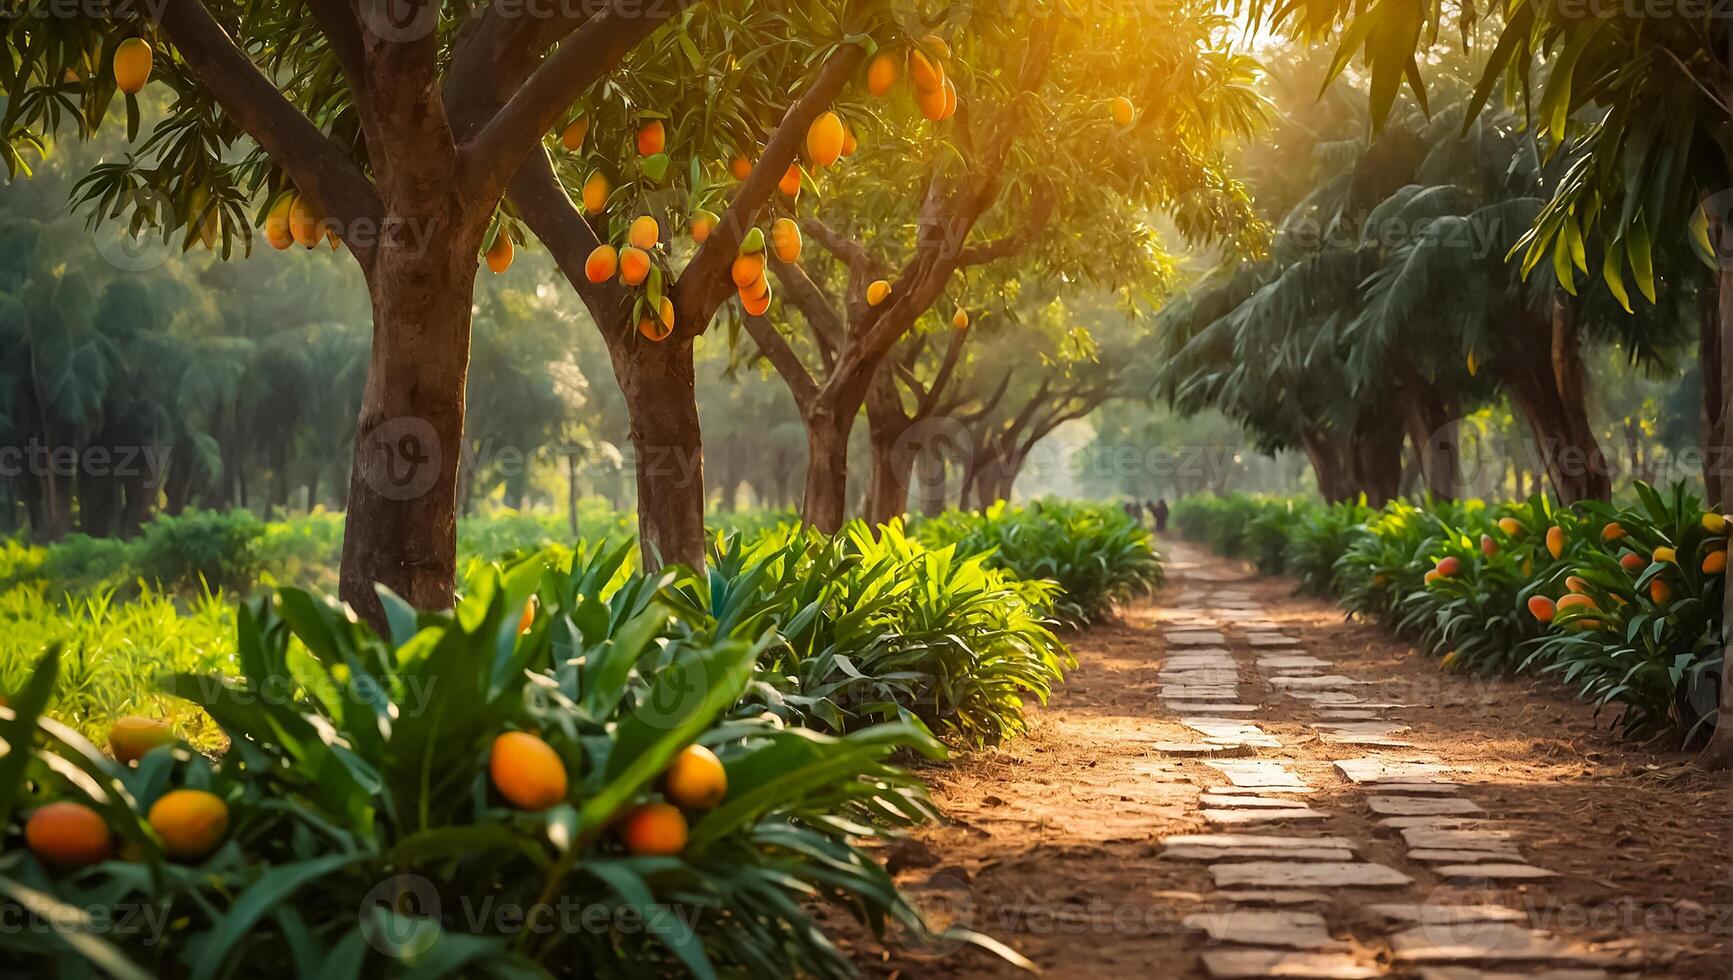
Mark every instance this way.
x=572 y=493
x=929 y=489
x=893 y=458
x=1329 y=464
x=888 y=494
x=401 y=527
x=1375 y=459
x=1719 y=752
x=1431 y=420
x=1714 y=419
x=660 y=386
x=1548 y=389
x=826 y=494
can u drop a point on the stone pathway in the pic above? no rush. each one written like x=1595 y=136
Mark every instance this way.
x=1279 y=862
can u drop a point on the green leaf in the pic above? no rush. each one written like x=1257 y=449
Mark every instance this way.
x=71 y=928
x=273 y=887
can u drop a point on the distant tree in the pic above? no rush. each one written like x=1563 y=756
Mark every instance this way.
x=1034 y=166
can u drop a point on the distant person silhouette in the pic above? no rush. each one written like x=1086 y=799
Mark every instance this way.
x=1158 y=510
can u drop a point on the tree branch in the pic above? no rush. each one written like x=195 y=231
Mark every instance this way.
x=847 y=251
x=336 y=20
x=703 y=285
x=318 y=167
x=775 y=348
x=1040 y=212
x=947 y=369
x=804 y=294
x=488 y=161
x=494 y=54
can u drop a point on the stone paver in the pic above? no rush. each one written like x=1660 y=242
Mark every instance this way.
x=1278 y=896
x=1247 y=801
x=1487 y=941
x=1435 y=914
x=1457 y=839
x=1429 y=856
x=1228 y=731
x=1285 y=928
x=1194 y=638
x=1492 y=871
x=1187 y=750
x=1261 y=773
x=1373 y=770
x=1236 y=963
x=1288 y=874
x=1320 y=682
x=1191 y=852
x=1239 y=818
x=1256 y=840
x=1408 y=806
x=1290 y=661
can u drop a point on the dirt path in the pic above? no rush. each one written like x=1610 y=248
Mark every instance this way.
x=1424 y=824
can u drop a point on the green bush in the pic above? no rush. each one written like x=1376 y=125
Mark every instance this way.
x=1098 y=555
x=201 y=549
x=1241 y=526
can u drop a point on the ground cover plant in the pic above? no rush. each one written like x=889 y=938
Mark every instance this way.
x=1622 y=602
x=1099 y=556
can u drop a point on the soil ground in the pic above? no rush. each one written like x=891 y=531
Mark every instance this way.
x=1052 y=843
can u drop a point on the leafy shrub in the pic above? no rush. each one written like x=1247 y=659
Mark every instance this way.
x=1241 y=526
x=1098 y=555
x=1318 y=539
x=357 y=772
x=201 y=548
x=880 y=628
x=1652 y=640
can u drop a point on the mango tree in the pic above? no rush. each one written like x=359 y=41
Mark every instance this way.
x=1020 y=135
x=678 y=156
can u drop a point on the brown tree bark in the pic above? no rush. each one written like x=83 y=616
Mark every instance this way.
x=929 y=490
x=1542 y=369
x=1375 y=459
x=893 y=457
x=1709 y=356
x=1329 y=464
x=400 y=530
x=660 y=386
x=1718 y=754
x=825 y=499
x=1430 y=418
